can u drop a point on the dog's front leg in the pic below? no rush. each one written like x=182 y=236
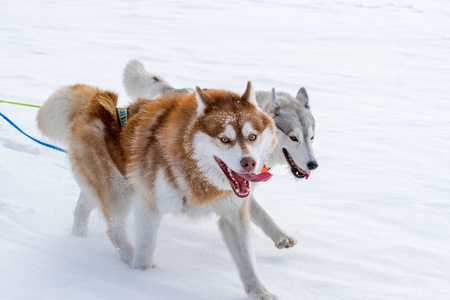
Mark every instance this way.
x=147 y=222
x=235 y=228
x=264 y=221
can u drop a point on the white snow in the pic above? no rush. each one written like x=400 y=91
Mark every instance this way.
x=373 y=221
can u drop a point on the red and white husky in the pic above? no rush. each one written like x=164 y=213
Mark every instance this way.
x=192 y=154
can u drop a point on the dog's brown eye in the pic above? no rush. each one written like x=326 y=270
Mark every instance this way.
x=252 y=137
x=293 y=138
x=224 y=140
x=312 y=137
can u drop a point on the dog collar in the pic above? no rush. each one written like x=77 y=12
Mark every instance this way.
x=122 y=116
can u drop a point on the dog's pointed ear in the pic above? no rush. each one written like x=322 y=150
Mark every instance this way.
x=202 y=100
x=249 y=94
x=302 y=96
x=274 y=101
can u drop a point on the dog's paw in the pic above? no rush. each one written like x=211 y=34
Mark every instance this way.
x=265 y=295
x=142 y=265
x=285 y=241
x=257 y=291
x=127 y=257
x=126 y=254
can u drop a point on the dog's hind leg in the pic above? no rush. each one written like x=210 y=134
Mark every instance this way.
x=264 y=221
x=82 y=213
x=147 y=221
x=112 y=195
x=116 y=219
x=235 y=228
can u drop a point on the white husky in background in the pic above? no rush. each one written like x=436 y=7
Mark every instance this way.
x=295 y=133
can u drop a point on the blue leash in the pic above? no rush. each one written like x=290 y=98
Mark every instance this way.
x=37 y=141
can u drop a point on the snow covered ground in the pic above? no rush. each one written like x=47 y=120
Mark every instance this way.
x=373 y=222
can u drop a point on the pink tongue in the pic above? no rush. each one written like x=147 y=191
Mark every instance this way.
x=306 y=173
x=261 y=177
x=264 y=176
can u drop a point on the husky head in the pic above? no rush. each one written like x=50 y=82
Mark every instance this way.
x=231 y=139
x=295 y=131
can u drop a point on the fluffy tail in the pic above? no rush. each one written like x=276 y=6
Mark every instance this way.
x=139 y=83
x=54 y=118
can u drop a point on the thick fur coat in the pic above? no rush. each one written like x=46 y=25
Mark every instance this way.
x=191 y=154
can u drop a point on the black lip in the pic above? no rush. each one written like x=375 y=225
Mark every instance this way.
x=294 y=170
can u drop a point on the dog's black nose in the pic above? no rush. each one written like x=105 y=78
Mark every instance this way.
x=248 y=164
x=312 y=165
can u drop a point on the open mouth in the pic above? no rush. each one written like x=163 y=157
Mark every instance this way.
x=240 y=182
x=296 y=170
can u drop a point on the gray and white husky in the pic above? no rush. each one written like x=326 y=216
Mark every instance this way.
x=295 y=133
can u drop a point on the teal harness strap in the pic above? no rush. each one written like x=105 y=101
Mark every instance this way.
x=122 y=116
